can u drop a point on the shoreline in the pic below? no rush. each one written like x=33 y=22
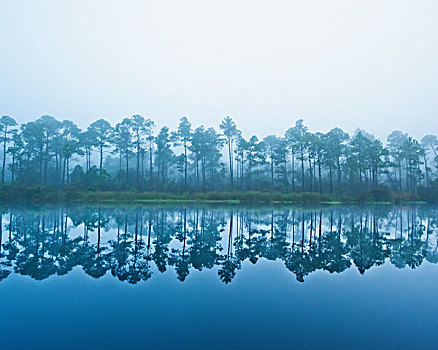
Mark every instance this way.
x=50 y=195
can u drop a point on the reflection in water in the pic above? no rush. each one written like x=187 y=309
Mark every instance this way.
x=133 y=243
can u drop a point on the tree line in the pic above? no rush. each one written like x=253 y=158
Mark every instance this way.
x=143 y=241
x=132 y=155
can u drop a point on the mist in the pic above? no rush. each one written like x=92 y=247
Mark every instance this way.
x=350 y=64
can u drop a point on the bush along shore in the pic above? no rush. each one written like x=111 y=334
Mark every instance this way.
x=46 y=194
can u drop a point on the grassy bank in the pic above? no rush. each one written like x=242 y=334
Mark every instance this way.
x=41 y=194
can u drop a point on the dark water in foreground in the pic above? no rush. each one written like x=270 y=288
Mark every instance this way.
x=225 y=278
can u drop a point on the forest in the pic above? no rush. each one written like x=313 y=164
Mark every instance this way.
x=132 y=156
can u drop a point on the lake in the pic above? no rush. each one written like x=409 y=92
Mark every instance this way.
x=218 y=277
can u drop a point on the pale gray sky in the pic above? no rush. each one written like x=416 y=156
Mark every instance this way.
x=369 y=64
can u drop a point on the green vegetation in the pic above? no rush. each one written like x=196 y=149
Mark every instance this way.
x=44 y=194
x=49 y=160
x=41 y=194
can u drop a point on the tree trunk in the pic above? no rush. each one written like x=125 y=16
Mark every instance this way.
x=4 y=156
x=319 y=175
x=150 y=165
x=137 y=180
x=142 y=170
x=197 y=172
x=63 y=172
x=68 y=171
x=100 y=162
x=249 y=176
x=311 y=174
x=13 y=169
x=230 y=156
x=185 y=166
x=127 y=168
x=426 y=170
x=272 y=175
x=399 y=175
x=331 y=180
x=41 y=164
x=203 y=173
x=293 y=171
x=302 y=170
x=339 y=173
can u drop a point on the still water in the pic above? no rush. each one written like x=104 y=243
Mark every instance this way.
x=219 y=277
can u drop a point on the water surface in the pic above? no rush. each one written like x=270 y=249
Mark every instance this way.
x=219 y=277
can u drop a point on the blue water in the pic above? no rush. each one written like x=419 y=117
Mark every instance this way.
x=263 y=307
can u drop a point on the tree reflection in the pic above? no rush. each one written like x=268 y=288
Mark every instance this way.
x=131 y=243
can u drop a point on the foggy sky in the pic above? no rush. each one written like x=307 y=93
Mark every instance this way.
x=369 y=64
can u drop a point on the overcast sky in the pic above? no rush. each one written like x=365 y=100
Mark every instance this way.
x=368 y=64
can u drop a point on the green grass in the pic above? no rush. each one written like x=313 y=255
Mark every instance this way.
x=41 y=194
x=47 y=195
